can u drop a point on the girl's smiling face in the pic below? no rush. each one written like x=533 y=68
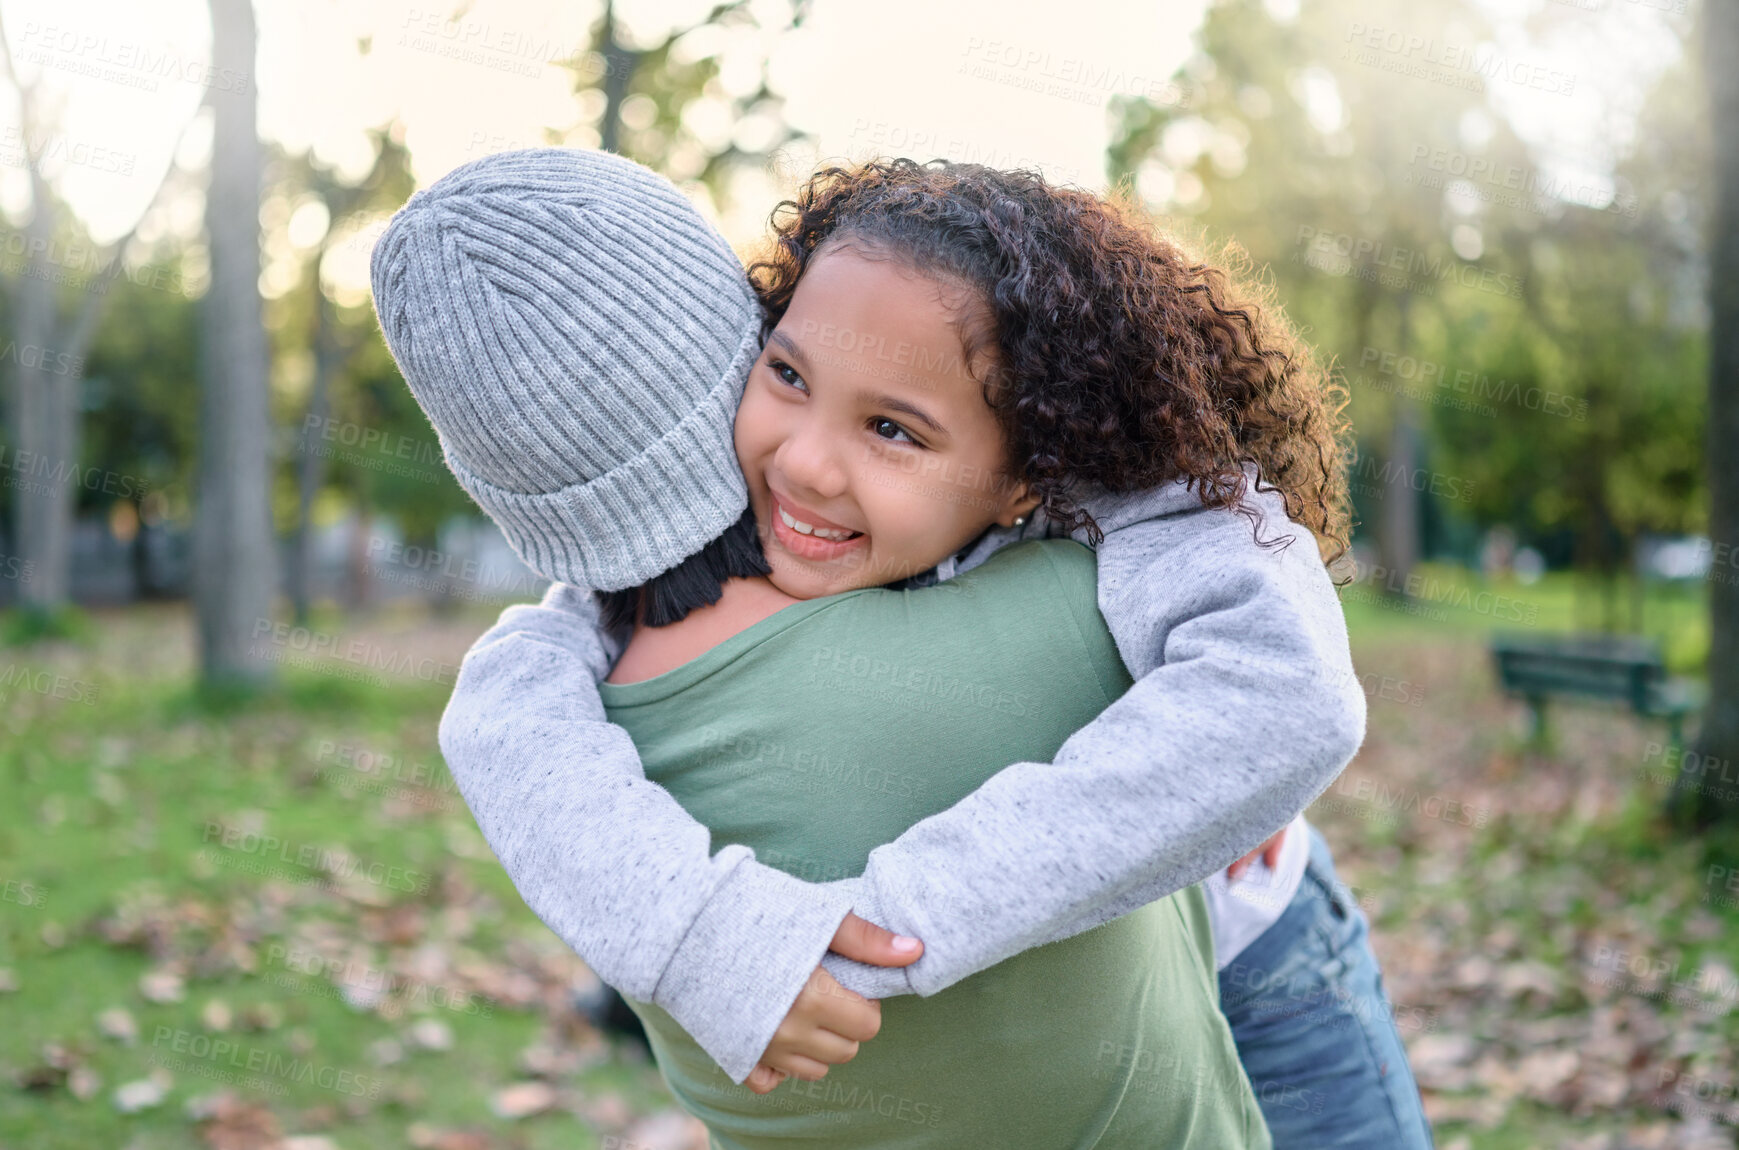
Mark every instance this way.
x=869 y=450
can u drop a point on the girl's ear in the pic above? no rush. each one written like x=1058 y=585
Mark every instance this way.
x=1018 y=503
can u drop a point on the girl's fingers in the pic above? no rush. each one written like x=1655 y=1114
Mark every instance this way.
x=764 y=1079
x=830 y=1006
x=857 y=1020
x=815 y=1043
x=860 y=939
x=827 y=1047
x=807 y=1069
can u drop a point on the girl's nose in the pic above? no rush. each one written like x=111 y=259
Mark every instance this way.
x=809 y=461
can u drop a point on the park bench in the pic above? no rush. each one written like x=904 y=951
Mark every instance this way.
x=1618 y=668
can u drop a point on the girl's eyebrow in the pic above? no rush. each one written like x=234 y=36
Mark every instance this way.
x=789 y=346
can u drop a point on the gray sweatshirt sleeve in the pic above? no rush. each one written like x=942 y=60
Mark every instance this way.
x=610 y=861
x=1244 y=709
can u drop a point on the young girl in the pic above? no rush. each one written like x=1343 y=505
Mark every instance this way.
x=1128 y=389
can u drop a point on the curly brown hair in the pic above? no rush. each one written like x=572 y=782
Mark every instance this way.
x=1115 y=358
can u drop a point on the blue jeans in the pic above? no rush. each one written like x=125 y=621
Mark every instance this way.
x=1314 y=1029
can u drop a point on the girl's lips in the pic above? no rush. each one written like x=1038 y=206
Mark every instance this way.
x=809 y=546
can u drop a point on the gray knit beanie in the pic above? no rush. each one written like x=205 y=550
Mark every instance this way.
x=579 y=336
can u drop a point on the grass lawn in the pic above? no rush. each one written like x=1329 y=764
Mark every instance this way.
x=286 y=915
x=1561 y=964
x=1449 y=599
x=288 y=904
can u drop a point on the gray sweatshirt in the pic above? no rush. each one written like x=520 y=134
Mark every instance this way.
x=1245 y=708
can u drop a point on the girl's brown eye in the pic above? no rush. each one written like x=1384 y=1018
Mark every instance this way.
x=880 y=425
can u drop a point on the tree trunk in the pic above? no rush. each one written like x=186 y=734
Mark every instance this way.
x=1718 y=739
x=1398 y=540
x=45 y=423
x=45 y=402
x=619 y=64
x=310 y=463
x=360 y=585
x=235 y=568
x=1398 y=543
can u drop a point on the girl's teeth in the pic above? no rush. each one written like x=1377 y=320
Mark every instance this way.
x=832 y=534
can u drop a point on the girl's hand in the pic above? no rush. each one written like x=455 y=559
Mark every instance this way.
x=827 y=1022
x=1269 y=852
x=823 y=1028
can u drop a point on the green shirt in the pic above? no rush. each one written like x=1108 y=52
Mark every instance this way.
x=830 y=727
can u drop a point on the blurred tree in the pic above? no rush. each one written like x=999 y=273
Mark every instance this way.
x=1603 y=365
x=1718 y=740
x=1299 y=141
x=664 y=105
x=138 y=421
x=1505 y=337
x=654 y=94
x=334 y=334
x=235 y=567
x=141 y=364
x=48 y=348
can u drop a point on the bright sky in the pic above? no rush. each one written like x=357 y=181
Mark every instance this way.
x=997 y=81
x=1614 y=52
x=893 y=77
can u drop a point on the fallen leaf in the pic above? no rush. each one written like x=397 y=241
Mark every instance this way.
x=402 y=925
x=318 y=1117
x=162 y=985
x=308 y=1142
x=141 y=1094
x=83 y=1083
x=386 y=1051
x=422 y=1136
x=1474 y=972
x=431 y=1034
x=216 y=1015
x=606 y=1110
x=1540 y=1073
x=262 y=1016
x=201 y=1107
x=51 y=1072
x=237 y=1125
x=118 y=1023
x=667 y=1130
x=1439 y=1061
x=522 y=1099
x=1518 y=978
x=548 y=1060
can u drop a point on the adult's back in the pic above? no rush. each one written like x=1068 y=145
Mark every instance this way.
x=830 y=727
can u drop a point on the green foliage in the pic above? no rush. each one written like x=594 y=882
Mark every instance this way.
x=28 y=625
x=364 y=437
x=332 y=372
x=1556 y=364
x=648 y=92
x=140 y=379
